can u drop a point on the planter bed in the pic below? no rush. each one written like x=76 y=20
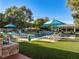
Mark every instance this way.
x=8 y=49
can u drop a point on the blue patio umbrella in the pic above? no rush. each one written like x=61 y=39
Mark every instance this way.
x=10 y=26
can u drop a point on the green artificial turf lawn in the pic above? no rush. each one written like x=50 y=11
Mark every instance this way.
x=47 y=50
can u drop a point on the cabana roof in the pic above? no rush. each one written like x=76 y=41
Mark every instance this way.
x=53 y=22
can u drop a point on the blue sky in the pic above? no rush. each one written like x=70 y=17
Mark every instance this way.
x=41 y=8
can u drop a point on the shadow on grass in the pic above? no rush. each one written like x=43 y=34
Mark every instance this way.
x=36 y=51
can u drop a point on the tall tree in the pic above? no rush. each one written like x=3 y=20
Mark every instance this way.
x=27 y=12
x=1 y=16
x=18 y=16
x=2 y=19
x=39 y=22
x=74 y=6
x=46 y=19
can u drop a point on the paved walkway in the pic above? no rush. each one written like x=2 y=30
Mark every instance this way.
x=18 y=56
x=50 y=38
